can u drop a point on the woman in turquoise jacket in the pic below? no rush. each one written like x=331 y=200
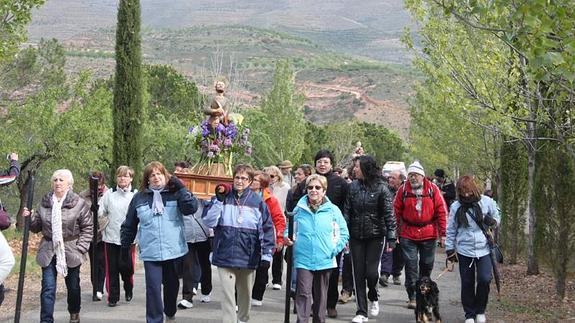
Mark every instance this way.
x=320 y=233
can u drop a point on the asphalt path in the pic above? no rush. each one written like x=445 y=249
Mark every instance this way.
x=393 y=304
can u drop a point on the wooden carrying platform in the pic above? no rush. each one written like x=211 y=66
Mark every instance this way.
x=202 y=186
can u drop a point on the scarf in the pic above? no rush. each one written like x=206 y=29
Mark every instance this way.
x=315 y=206
x=467 y=203
x=57 y=235
x=157 y=203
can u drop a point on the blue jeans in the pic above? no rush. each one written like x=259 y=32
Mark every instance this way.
x=48 y=293
x=414 y=252
x=160 y=273
x=474 y=297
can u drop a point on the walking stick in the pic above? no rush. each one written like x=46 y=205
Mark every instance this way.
x=289 y=258
x=25 y=236
x=94 y=197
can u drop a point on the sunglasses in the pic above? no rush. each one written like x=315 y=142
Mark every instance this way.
x=316 y=187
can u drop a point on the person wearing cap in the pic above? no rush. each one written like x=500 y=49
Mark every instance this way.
x=420 y=212
x=446 y=186
x=285 y=167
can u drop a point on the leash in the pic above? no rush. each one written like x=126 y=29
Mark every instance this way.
x=448 y=268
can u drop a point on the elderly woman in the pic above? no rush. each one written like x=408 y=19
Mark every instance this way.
x=466 y=241
x=320 y=234
x=260 y=185
x=368 y=211
x=155 y=214
x=66 y=225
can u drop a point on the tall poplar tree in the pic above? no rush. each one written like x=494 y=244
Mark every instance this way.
x=128 y=114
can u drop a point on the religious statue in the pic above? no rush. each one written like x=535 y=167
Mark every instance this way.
x=218 y=108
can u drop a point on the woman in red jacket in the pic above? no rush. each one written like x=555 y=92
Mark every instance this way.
x=260 y=185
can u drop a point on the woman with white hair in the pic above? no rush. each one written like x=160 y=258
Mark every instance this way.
x=66 y=225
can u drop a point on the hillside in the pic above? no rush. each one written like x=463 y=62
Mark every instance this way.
x=338 y=84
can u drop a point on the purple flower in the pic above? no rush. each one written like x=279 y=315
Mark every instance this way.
x=228 y=142
x=220 y=128
x=231 y=130
x=210 y=155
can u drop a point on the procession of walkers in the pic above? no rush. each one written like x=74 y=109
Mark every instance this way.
x=358 y=225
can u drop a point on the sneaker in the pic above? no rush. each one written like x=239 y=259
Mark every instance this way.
x=359 y=319
x=99 y=295
x=374 y=308
x=480 y=318
x=396 y=280
x=331 y=313
x=240 y=321
x=185 y=304
x=75 y=318
x=383 y=280
x=470 y=321
x=411 y=304
x=205 y=298
x=129 y=296
x=112 y=304
x=344 y=297
x=255 y=302
x=194 y=291
x=277 y=286
x=170 y=318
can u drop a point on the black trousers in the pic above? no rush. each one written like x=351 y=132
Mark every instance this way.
x=365 y=259
x=347 y=274
x=260 y=282
x=113 y=272
x=398 y=262
x=203 y=250
x=98 y=276
x=277 y=266
x=332 y=290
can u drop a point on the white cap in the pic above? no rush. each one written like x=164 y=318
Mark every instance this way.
x=416 y=167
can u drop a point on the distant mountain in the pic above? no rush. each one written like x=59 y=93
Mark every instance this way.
x=369 y=28
x=347 y=56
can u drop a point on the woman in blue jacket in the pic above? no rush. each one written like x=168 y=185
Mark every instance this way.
x=158 y=209
x=320 y=233
x=466 y=242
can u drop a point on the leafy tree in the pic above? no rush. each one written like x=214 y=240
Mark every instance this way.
x=33 y=70
x=50 y=133
x=171 y=93
x=128 y=112
x=14 y=17
x=278 y=129
x=381 y=143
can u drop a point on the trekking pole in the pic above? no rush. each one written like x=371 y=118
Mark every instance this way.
x=289 y=258
x=23 y=258
x=94 y=208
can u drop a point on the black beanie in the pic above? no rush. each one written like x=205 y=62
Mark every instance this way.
x=439 y=173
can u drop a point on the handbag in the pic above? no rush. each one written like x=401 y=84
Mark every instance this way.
x=5 y=221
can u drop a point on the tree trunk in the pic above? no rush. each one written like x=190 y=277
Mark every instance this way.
x=532 y=264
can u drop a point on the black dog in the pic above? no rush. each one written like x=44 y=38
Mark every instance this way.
x=427 y=301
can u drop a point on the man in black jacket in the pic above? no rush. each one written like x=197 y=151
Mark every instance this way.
x=446 y=186
x=337 y=189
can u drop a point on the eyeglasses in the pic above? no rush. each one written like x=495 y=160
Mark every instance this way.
x=241 y=178
x=316 y=187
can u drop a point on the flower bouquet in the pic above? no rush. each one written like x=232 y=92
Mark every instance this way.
x=217 y=144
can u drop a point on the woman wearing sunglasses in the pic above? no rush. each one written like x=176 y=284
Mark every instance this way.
x=320 y=234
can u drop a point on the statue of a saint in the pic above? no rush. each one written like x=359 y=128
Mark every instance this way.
x=218 y=108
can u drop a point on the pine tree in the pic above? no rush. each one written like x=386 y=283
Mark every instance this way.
x=128 y=111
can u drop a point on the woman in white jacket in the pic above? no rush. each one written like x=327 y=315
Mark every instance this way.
x=6 y=263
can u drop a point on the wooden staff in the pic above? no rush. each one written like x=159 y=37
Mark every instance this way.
x=25 y=238
x=94 y=181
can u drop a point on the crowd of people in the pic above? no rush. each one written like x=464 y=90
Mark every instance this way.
x=352 y=223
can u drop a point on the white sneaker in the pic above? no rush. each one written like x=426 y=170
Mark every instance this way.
x=480 y=318
x=255 y=302
x=277 y=286
x=240 y=321
x=374 y=308
x=470 y=321
x=194 y=291
x=99 y=295
x=359 y=319
x=205 y=298
x=185 y=304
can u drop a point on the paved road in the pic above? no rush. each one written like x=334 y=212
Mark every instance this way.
x=392 y=304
